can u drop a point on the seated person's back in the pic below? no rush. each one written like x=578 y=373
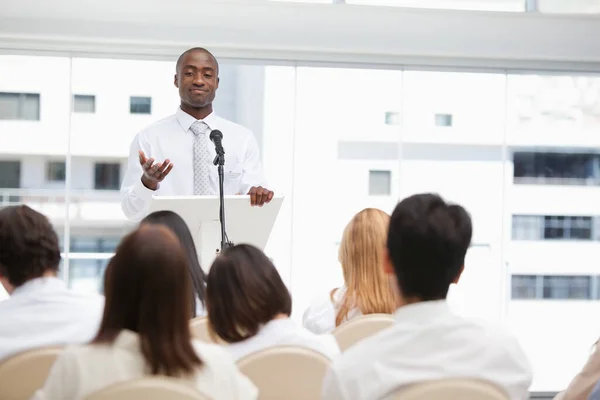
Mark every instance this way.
x=427 y=243
x=41 y=311
x=367 y=289
x=145 y=328
x=249 y=306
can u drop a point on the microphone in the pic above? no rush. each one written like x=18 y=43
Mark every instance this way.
x=216 y=137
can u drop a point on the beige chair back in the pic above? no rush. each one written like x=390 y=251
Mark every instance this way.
x=359 y=328
x=151 y=388
x=24 y=373
x=286 y=372
x=450 y=389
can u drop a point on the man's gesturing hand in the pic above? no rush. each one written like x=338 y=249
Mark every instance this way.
x=259 y=195
x=153 y=172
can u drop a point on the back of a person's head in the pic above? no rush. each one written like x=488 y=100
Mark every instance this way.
x=147 y=289
x=361 y=255
x=427 y=243
x=174 y=222
x=28 y=245
x=243 y=292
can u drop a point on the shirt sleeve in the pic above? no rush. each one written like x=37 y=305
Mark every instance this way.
x=135 y=197
x=252 y=173
x=332 y=388
x=61 y=379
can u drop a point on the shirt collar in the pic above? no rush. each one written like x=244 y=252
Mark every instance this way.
x=38 y=284
x=186 y=120
x=280 y=326
x=127 y=340
x=422 y=311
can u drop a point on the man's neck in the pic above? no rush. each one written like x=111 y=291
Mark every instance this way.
x=197 y=112
x=10 y=288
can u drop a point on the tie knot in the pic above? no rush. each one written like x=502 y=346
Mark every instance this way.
x=199 y=127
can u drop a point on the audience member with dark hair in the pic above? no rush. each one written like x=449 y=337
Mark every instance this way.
x=249 y=306
x=145 y=328
x=174 y=222
x=426 y=247
x=40 y=311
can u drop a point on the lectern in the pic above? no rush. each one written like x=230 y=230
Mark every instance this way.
x=244 y=223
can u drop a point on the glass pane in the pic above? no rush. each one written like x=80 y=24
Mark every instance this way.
x=483 y=5
x=524 y=287
x=569 y=7
x=84 y=103
x=34 y=121
x=552 y=124
x=341 y=133
x=380 y=183
x=140 y=105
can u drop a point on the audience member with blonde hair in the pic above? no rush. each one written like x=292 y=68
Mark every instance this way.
x=145 y=328
x=249 y=306
x=367 y=289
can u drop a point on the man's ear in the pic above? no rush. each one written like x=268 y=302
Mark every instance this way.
x=218 y=81
x=175 y=81
x=462 y=268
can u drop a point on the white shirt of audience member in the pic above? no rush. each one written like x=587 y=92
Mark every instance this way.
x=428 y=342
x=82 y=370
x=44 y=312
x=284 y=332
x=320 y=316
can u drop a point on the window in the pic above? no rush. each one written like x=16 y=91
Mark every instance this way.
x=380 y=183
x=556 y=168
x=10 y=174
x=555 y=287
x=93 y=244
x=20 y=106
x=140 y=105
x=553 y=227
x=83 y=103
x=392 y=118
x=55 y=171
x=443 y=120
x=524 y=287
x=107 y=176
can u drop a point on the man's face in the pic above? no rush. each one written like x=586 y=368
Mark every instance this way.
x=197 y=79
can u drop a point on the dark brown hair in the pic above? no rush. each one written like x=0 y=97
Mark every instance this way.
x=147 y=288
x=174 y=222
x=243 y=292
x=28 y=245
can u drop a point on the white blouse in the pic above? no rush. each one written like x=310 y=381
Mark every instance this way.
x=320 y=316
x=284 y=332
x=82 y=370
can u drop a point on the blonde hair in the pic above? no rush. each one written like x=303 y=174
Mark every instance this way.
x=361 y=255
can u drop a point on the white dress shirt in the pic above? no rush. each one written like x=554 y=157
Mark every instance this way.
x=171 y=138
x=284 y=332
x=320 y=316
x=43 y=312
x=428 y=342
x=82 y=370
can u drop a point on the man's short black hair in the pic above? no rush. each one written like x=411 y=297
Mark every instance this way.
x=193 y=49
x=427 y=242
x=28 y=245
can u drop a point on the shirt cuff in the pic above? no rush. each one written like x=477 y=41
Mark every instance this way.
x=142 y=192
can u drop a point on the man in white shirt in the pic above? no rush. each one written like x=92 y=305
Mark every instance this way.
x=40 y=311
x=427 y=243
x=179 y=147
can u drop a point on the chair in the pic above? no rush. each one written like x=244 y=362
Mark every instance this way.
x=24 y=373
x=360 y=328
x=450 y=389
x=286 y=372
x=200 y=330
x=151 y=388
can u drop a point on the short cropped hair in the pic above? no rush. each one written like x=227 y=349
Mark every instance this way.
x=243 y=292
x=427 y=242
x=194 y=49
x=28 y=245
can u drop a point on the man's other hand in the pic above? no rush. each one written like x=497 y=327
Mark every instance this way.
x=259 y=195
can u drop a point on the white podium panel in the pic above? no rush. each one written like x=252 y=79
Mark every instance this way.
x=244 y=223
